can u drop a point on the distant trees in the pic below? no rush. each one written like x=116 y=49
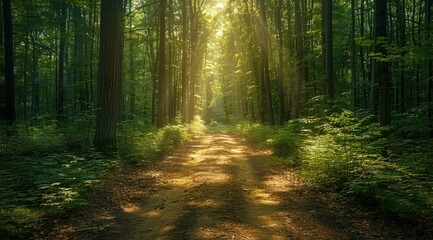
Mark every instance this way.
x=264 y=61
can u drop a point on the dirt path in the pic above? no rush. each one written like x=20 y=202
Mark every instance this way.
x=217 y=187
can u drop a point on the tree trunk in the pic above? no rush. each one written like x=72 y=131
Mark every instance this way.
x=9 y=63
x=401 y=6
x=264 y=45
x=428 y=19
x=110 y=74
x=362 y=57
x=26 y=64
x=61 y=72
x=160 y=119
x=170 y=78
x=380 y=70
x=353 y=56
x=184 y=111
x=296 y=109
x=132 y=79
x=35 y=77
x=281 y=97
x=329 y=59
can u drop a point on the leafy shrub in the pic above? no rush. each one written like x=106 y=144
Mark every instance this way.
x=152 y=143
x=171 y=137
x=337 y=149
x=254 y=133
x=286 y=143
x=44 y=176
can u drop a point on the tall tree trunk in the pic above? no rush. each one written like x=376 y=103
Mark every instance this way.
x=171 y=90
x=26 y=64
x=92 y=46
x=353 y=56
x=264 y=45
x=184 y=111
x=362 y=56
x=401 y=7
x=290 y=52
x=61 y=73
x=428 y=19
x=110 y=74
x=329 y=59
x=193 y=15
x=160 y=119
x=9 y=63
x=380 y=70
x=35 y=77
x=281 y=97
x=132 y=79
x=323 y=35
x=296 y=109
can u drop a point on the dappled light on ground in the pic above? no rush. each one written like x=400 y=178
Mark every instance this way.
x=217 y=187
x=212 y=191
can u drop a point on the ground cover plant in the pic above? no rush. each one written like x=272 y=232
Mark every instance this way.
x=347 y=153
x=48 y=173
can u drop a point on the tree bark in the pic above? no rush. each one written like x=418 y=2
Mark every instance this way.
x=281 y=95
x=61 y=73
x=264 y=45
x=428 y=19
x=10 y=117
x=110 y=74
x=329 y=44
x=160 y=119
x=184 y=111
x=353 y=56
x=296 y=109
x=380 y=70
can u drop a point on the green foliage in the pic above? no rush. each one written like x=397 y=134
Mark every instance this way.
x=286 y=143
x=346 y=152
x=141 y=144
x=338 y=147
x=216 y=126
x=254 y=133
x=36 y=186
x=49 y=169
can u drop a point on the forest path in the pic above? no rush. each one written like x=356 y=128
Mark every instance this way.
x=216 y=187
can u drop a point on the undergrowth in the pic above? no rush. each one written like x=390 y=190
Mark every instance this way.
x=46 y=170
x=346 y=152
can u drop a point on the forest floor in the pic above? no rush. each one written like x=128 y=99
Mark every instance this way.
x=217 y=187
